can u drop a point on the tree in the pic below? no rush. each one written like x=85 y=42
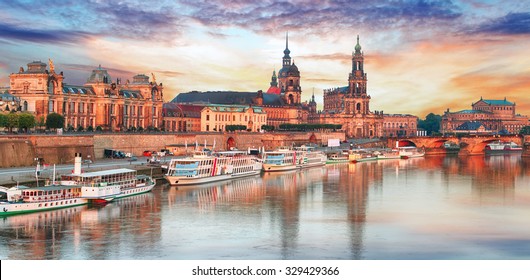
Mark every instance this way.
x=431 y=124
x=54 y=121
x=26 y=121
x=525 y=130
x=12 y=121
x=41 y=123
x=3 y=120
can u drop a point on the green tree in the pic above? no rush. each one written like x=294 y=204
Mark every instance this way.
x=3 y=120
x=41 y=123
x=54 y=121
x=431 y=124
x=12 y=121
x=26 y=121
x=525 y=130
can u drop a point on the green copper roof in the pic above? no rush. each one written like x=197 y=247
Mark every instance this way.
x=497 y=102
x=358 y=46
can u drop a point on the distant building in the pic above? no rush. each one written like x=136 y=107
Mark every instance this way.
x=9 y=102
x=99 y=102
x=496 y=116
x=281 y=103
x=350 y=106
x=397 y=125
x=212 y=117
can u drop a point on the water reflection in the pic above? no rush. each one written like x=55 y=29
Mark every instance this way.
x=421 y=208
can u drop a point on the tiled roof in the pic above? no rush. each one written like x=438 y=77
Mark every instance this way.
x=472 y=112
x=469 y=125
x=227 y=97
x=498 y=102
x=69 y=89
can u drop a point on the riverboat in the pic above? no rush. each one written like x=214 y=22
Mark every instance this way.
x=361 y=155
x=338 y=157
x=282 y=159
x=310 y=157
x=204 y=167
x=499 y=147
x=22 y=199
x=107 y=185
x=388 y=154
x=410 y=152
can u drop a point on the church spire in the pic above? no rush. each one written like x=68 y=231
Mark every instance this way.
x=286 y=61
x=274 y=79
x=358 y=46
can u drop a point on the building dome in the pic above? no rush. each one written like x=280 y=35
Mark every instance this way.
x=140 y=79
x=358 y=46
x=293 y=71
x=99 y=75
x=36 y=67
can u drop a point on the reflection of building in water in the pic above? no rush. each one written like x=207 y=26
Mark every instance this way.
x=283 y=192
x=360 y=177
x=491 y=177
x=245 y=190
x=40 y=233
x=133 y=217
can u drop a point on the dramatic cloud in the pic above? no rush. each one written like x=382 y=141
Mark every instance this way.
x=511 y=24
x=12 y=32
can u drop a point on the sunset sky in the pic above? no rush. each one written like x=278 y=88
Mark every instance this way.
x=420 y=56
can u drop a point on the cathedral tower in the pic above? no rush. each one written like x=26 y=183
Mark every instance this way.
x=289 y=78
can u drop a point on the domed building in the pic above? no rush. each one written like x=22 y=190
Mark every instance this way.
x=100 y=102
x=281 y=102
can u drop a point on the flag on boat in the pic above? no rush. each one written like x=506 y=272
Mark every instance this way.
x=213 y=147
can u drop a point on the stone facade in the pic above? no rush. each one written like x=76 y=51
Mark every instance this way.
x=496 y=116
x=100 y=102
x=212 y=117
x=399 y=125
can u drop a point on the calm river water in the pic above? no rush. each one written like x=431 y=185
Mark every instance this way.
x=427 y=208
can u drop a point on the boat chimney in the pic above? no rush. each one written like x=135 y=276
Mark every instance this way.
x=77 y=164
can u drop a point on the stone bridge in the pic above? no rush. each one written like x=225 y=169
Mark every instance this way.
x=469 y=145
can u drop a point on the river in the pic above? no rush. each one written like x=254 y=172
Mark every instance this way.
x=433 y=208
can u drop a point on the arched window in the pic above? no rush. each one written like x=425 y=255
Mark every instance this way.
x=25 y=107
x=358 y=107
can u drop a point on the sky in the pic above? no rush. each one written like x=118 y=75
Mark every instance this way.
x=420 y=56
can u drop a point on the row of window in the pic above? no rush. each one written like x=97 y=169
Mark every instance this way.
x=225 y=118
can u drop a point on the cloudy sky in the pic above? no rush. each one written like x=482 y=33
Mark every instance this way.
x=420 y=56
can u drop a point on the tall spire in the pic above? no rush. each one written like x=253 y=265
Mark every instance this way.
x=286 y=51
x=358 y=46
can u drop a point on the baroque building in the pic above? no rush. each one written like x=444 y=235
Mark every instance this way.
x=281 y=103
x=490 y=115
x=350 y=106
x=212 y=117
x=100 y=102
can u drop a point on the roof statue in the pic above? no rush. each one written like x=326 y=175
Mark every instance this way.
x=52 y=68
x=154 y=79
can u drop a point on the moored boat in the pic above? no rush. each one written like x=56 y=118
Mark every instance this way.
x=499 y=147
x=388 y=154
x=361 y=155
x=310 y=156
x=107 y=185
x=410 y=152
x=22 y=199
x=204 y=167
x=282 y=159
x=338 y=157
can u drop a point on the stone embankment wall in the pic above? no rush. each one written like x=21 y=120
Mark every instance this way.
x=21 y=150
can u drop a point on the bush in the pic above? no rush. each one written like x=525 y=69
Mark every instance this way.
x=98 y=128
x=90 y=128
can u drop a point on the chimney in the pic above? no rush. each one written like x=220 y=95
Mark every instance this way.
x=77 y=164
